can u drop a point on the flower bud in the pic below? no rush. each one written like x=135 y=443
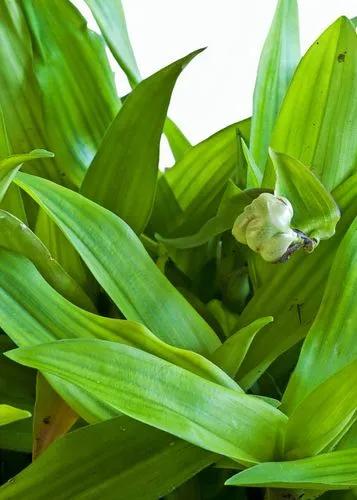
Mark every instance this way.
x=264 y=226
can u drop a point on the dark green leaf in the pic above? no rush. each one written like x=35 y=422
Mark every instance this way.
x=76 y=81
x=118 y=455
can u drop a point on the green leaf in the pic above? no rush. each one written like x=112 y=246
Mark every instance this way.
x=165 y=396
x=20 y=97
x=76 y=82
x=17 y=436
x=178 y=142
x=322 y=102
x=330 y=345
x=119 y=455
x=231 y=354
x=232 y=204
x=10 y=414
x=35 y=315
x=13 y=203
x=10 y=165
x=197 y=183
x=112 y=252
x=130 y=150
x=315 y=211
x=280 y=55
x=254 y=175
x=17 y=383
x=111 y=21
x=17 y=237
x=297 y=288
x=337 y=470
x=322 y=415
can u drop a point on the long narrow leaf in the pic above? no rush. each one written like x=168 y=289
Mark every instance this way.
x=123 y=174
x=330 y=345
x=321 y=101
x=337 y=470
x=323 y=414
x=280 y=55
x=297 y=288
x=163 y=395
x=76 y=82
x=120 y=264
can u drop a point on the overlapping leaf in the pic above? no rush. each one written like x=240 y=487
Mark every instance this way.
x=121 y=265
x=76 y=83
x=17 y=237
x=337 y=470
x=330 y=345
x=297 y=289
x=193 y=187
x=166 y=396
x=323 y=415
x=123 y=174
x=320 y=104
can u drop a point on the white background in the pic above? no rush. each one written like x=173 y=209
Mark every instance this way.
x=216 y=88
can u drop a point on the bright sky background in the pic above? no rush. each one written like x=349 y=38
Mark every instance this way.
x=216 y=88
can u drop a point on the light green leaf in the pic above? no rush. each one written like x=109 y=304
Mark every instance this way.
x=315 y=210
x=297 y=288
x=129 y=154
x=322 y=415
x=322 y=102
x=64 y=253
x=13 y=203
x=165 y=396
x=254 y=175
x=330 y=344
x=231 y=354
x=111 y=21
x=121 y=265
x=76 y=82
x=197 y=183
x=337 y=470
x=36 y=314
x=119 y=455
x=280 y=55
x=17 y=237
x=10 y=414
x=232 y=204
x=349 y=440
x=178 y=142
x=10 y=165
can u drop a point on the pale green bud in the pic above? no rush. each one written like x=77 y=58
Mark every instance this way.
x=264 y=226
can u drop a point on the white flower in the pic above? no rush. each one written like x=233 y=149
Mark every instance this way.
x=264 y=226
